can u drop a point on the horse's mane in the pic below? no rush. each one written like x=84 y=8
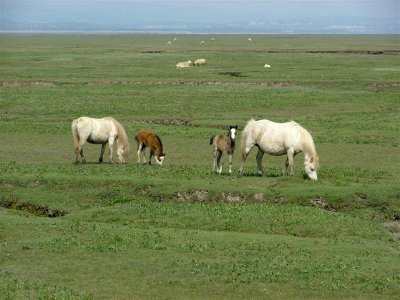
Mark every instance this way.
x=308 y=143
x=161 y=145
x=122 y=136
x=250 y=121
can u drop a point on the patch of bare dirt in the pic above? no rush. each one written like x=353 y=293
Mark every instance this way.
x=35 y=209
x=394 y=228
x=322 y=203
x=194 y=82
x=234 y=74
x=366 y=52
x=195 y=195
x=276 y=84
x=16 y=84
x=152 y=52
x=199 y=195
x=180 y=122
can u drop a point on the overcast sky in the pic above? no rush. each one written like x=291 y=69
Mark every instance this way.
x=359 y=16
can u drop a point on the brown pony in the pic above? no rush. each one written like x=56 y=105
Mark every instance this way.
x=146 y=138
x=220 y=144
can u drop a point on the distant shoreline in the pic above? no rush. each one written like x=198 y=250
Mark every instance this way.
x=121 y=32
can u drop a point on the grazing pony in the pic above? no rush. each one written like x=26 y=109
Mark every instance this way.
x=221 y=144
x=146 y=138
x=279 y=139
x=99 y=131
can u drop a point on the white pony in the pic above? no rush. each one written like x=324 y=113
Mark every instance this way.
x=279 y=139
x=100 y=131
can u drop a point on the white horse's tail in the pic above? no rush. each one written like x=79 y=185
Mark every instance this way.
x=244 y=142
x=75 y=133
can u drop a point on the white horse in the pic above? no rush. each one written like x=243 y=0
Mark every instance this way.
x=279 y=139
x=100 y=131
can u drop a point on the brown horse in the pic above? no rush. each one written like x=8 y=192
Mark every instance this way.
x=146 y=138
x=221 y=144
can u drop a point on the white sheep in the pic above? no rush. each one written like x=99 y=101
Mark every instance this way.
x=200 y=62
x=267 y=66
x=184 y=64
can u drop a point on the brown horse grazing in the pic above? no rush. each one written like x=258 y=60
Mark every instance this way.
x=220 y=144
x=146 y=138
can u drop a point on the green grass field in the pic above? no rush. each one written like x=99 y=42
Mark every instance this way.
x=178 y=231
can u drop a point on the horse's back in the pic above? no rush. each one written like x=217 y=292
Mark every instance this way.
x=273 y=138
x=146 y=137
x=95 y=130
x=142 y=135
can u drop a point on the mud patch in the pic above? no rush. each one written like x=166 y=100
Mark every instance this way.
x=16 y=84
x=175 y=122
x=393 y=84
x=193 y=196
x=365 y=52
x=233 y=74
x=394 y=229
x=194 y=82
x=322 y=203
x=204 y=196
x=31 y=208
x=152 y=52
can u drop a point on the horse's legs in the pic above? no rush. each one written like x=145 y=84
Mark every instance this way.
x=285 y=167
x=79 y=152
x=290 y=160
x=219 y=162
x=230 y=164
x=103 y=146
x=139 y=152
x=110 y=147
x=83 y=159
x=151 y=155
x=259 y=157
x=143 y=152
x=245 y=153
x=214 y=161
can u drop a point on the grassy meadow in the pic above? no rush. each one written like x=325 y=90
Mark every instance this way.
x=178 y=231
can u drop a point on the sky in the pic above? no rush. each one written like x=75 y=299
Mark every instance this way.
x=205 y=16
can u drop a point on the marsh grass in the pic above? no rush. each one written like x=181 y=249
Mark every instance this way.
x=178 y=231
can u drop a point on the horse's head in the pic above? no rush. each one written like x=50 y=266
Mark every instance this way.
x=122 y=153
x=232 y=132
x=311 y=167
x=160 y=158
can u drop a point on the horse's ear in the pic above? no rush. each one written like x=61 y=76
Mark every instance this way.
x=236 y=127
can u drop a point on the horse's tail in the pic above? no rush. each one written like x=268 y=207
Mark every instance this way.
x=244 y=139
x=75 y=133
x=212 y=139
